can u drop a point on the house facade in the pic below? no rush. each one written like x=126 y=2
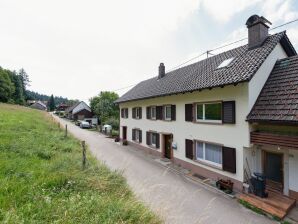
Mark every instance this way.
x=197 y=116
x=39 y=105
x=79 y=111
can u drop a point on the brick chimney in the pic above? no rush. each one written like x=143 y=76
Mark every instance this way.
x=161 y=71
x=257 y=31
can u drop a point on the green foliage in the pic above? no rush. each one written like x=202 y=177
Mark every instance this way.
x=51 y=103
x=114 y=122
x=30 y=95
x=104 y=107
x=42 y=181
x=7 y=87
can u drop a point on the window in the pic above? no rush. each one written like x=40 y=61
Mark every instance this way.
x=124 y=113
x=210 y=153
x=209 y=112
x=153 y=112
x=137 y=112
x=153 y=139
x=225 y=63
x=137 y=133
x=168 y=113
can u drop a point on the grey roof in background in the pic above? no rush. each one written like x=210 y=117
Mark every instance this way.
x=204 y=74
x=278 y=100
x=70 y=109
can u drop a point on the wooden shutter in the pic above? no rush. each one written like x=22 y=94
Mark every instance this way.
x=228 y=112
x=122 y=113
x=229 y=159
x=126 y=113
x=157 y=140
x=148 y=139
x=188 y=148
x=133 y=112
x=133 y=134
x=140 y=136
x=188 y=112
x=159 y=112
x=173 y=112
x=148 y=112
x=140 y=112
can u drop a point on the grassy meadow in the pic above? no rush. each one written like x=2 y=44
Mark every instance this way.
x=42 y=180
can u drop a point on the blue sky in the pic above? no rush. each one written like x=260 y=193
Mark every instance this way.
x=77 y=48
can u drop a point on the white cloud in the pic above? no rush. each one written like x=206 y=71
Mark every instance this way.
x=223 y=11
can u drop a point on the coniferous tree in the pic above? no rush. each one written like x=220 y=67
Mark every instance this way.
x=51 y=103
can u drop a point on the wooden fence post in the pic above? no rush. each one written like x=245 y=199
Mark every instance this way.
x=84 y=154
x=66 y=131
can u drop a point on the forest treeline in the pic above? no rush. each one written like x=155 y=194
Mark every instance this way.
x=13 y=88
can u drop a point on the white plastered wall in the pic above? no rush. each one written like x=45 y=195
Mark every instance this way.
x=293 y=170
x=231 y=135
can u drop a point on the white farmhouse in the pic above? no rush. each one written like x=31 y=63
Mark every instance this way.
x=216 y=116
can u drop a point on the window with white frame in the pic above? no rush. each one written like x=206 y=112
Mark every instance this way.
x=137 y=134
x=209 y=112
x=153 y=112
x=153 y=139
x=210 y=153
x=168 y=112
x=138 y=111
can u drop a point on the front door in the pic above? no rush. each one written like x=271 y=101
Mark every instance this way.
x=168 y=146
x=124 y=133
x=273 y=170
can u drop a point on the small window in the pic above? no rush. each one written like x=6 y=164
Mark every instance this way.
x=225 y=63
x=210 y=153
x=153 y=112
x=153 y=139
x=211 y=112
x=138 y=112
x=137 y=133
x=168 y=112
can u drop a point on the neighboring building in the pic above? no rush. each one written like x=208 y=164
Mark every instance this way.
x=39 y=105
x=79 y=111
x=62 y=107
x=197 y=115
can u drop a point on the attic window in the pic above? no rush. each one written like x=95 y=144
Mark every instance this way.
x=225 y=63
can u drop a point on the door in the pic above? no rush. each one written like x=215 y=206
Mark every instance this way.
x=273 y=170
x=168 y=146
x=124 y=133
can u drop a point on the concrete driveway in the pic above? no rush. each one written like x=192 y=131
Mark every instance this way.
x=172 y=196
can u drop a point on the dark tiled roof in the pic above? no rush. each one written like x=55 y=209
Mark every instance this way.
x=204 y=74
x=278 y=100
x=70 y=109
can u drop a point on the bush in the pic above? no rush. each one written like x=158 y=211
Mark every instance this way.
x=114 y=122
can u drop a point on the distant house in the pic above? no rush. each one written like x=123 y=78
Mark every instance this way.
x=39 y=105
x=79 y=111
x=62 y=107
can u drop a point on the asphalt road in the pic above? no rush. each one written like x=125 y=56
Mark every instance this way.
x=175 y=198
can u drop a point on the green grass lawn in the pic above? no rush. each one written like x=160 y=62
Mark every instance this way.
x=42 y=181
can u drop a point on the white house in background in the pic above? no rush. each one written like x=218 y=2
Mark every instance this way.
x=197 y=115
x=79 y=111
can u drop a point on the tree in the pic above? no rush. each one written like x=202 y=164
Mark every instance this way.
x=51 y=103
x=19 y=94
x=103 y=105
x=7 y=87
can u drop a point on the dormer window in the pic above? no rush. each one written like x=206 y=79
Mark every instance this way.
x=225 y=63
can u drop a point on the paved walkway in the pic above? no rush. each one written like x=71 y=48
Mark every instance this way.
x=175 y=198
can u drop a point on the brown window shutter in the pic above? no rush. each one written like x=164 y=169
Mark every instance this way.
x=228 y=112
x=173 y=112
x=148 y=139
x=189 y=149
x=140 y=110
x=133 y=134
x=159 y=115
x=229 y=159
x=122 y=113
x=157 y=140
x=140 y=136
x=133 y=112
x=148 y=112
x=188 y=112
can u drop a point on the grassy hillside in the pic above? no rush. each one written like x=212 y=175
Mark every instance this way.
x=42 y=181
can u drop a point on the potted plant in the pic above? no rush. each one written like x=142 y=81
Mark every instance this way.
x=225 y=185
x=125 y=142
